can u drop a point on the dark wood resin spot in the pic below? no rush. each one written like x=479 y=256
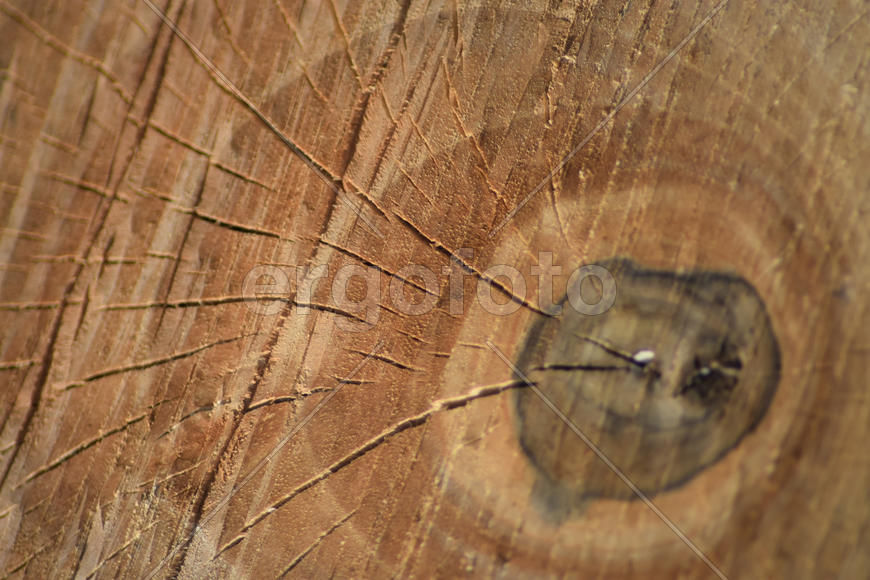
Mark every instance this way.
x=665 y=383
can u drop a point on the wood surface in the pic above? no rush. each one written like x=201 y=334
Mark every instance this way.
x=158 y=419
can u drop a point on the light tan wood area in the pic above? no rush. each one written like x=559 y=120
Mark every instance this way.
x=250 y=324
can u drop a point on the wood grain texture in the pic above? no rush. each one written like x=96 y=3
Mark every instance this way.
x=151 y=414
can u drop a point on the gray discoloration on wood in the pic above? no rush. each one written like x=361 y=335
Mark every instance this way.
x=662 y=418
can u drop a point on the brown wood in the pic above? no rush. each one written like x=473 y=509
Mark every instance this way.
x=154 y=419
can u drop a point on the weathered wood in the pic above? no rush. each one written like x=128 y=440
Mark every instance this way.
x=161 y=416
